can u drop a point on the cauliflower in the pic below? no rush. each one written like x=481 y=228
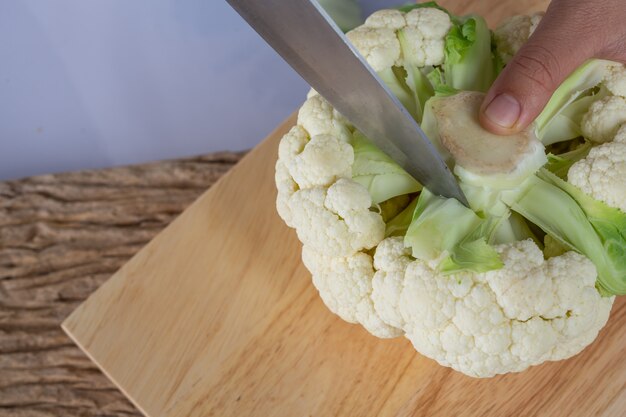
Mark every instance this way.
x=380 y=47
x=414 y=41
x=604 y=118
x=322 y=161
x=615 y=80
x=317 y=117
x=468 y=286
x=528 y=312
x=513 y=33
x=345 y=285
x=425 y=33
x=286 y=187
x=602 y=174
x=424 y=28
x=336 y=220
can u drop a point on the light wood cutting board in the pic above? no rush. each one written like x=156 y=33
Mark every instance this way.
x=218 y=317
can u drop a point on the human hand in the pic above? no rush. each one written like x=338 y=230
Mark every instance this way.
x=571 y=32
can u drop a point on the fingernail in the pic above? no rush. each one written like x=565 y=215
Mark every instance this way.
x=504 y=110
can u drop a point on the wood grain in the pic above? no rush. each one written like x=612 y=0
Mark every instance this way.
x=61 y=237
x=217 y=317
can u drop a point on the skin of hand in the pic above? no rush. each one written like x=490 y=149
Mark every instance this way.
x=571 y=32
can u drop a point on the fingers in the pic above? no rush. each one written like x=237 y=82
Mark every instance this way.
x=527 y=82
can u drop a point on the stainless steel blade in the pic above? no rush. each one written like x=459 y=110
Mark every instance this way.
x=305 y=36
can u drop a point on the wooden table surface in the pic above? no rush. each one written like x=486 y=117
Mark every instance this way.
x=61 y=237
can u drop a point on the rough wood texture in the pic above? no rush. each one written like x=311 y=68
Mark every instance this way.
x=61 y=237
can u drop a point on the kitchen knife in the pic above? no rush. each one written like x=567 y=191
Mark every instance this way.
x=307 y=38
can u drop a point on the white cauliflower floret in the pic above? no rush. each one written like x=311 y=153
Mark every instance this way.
x=615 y=80
x=317 y=117
x=292 y=144
x=286 y=187
x=535 y=19
x=336 y=221
x=433 y=23
x=530 y=311
x=322 y=161
x=312 y=93
x=482 y=324
x=386 y=19
x=425 y=30
x=345 y=285
x=513 y=33
x=602 y=174
x=380 y=47
x=620 y=136
x=425 y=34
x=604 y=118
x=390 y=260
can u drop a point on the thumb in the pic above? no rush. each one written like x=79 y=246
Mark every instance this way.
x=527 y=82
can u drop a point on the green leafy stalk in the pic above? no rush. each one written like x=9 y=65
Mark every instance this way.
x=377 y=172
x=560 y=118
x=432 y=232
x=400 y=224
x=578 y=222
x=469 y=62
x=513 y=229
x=436 y=78
x=566 y=125
x=416 y=80
x=610 y=226
x=474 y=252
x=395 y=79
x=560 y=164
x=442 y=225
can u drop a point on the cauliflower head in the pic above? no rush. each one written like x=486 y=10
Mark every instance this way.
x=601 y=123
x=424 y=28
x=602 y=174
x=513 y=33
x=530 y=311
x=353 y=207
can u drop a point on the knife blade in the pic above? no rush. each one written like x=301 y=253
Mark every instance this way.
x=307 y=38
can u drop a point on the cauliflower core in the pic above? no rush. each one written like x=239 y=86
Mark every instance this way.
x=531 y=310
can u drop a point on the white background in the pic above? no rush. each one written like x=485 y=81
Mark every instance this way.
x=88 y=84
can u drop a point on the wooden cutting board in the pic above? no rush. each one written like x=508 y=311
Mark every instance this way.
x=218 y=317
